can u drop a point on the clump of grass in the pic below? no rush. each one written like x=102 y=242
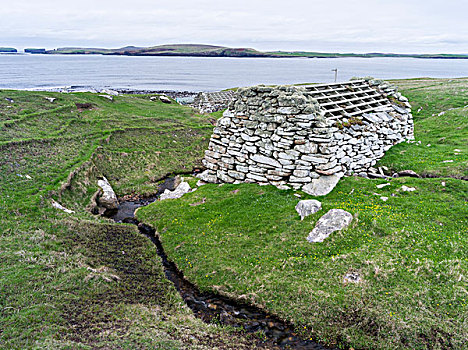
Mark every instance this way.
x=79 y=281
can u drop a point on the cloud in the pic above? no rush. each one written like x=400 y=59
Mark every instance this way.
x=399 y=25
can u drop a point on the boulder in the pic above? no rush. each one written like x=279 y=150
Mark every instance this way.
x=182 y=189
x=333 y=220
x=307 y=207
x=322 y=186
x=108 y=198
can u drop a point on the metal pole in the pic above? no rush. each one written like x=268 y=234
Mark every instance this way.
x=336 y=73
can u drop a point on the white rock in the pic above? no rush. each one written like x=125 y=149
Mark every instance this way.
x=109 y=92
x=50 y=99
x=352 y=277
x=265 y=160
x=182 y=189
x=407 y=189
x=110 y=98
x=322 y=186
x=383 y=185
x=108 y=198
x=59 y=206
x=443 y=183
x=447 y=161
x=384 y=198
x=165 y=99
x=207 y=176
x=333 y=220
x=307 y=207
x=201 y=183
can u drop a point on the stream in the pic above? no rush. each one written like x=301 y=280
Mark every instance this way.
x=208 y=306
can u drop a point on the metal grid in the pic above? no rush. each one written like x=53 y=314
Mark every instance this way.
x=349 y=99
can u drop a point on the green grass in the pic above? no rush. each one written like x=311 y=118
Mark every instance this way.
x=248 y=242
x=82 y=282
x=440 y=111
x=79 y=281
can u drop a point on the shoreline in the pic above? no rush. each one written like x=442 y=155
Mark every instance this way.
x=108 y=90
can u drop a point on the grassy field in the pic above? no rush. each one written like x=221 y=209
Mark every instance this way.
x=248 y=242
x=76 y=281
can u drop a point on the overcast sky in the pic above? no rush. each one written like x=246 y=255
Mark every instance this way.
x=403 y=26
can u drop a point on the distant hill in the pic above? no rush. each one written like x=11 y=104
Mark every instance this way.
x=8 y=49
x=166 y=50
x=199 y=50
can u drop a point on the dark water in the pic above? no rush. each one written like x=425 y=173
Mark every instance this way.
x=206 y=74
x=211 y=307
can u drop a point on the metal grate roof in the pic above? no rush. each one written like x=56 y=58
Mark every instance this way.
x=348 y=99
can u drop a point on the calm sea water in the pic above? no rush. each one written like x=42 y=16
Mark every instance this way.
x=205 y=74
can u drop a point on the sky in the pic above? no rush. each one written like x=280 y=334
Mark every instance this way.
x=400 y=26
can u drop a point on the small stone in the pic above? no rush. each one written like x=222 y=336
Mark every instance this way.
x=110 y=98
x=333 y=220
x=447 y=161
x=182 y=189
x=165 y=99
x=383 y=185
x=384 y=198
x=60 y=207
x=407 y=189
x=443 y=183
x=307 y=207
x=50 y=99
x=208 y=176
x=352 y=277
x=409 y=173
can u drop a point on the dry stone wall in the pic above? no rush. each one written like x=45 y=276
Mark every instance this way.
x=283 y=136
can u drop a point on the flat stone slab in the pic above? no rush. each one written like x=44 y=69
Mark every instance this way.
x=322 y=186
x=333 y=220
x=182 y=189
x=307 y=207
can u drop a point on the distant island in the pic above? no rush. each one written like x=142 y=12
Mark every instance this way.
x=195 y=50
x=8 y=50
x=29 y=50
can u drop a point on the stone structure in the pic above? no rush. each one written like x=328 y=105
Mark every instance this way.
x=306 y=137
x=209 y=102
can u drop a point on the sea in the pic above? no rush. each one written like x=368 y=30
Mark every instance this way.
x=194 y=74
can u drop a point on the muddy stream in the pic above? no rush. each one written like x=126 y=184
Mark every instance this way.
x=208 y=306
